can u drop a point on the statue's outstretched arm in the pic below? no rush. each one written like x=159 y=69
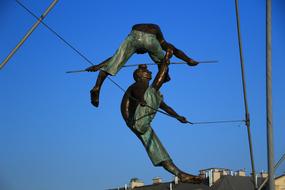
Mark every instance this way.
x=172 y=112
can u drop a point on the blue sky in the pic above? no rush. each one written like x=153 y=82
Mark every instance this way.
x=52 y=138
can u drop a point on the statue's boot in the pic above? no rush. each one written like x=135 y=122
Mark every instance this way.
x=183 y=177
x=94 y=97
x=188 y=178
x=95 y=92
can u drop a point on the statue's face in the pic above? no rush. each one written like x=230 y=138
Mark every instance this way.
x=144 y=74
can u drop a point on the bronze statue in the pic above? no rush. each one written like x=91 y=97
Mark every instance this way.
x=139 y=106
x=144 y=38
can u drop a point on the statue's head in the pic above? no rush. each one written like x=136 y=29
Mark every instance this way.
x=142 y=73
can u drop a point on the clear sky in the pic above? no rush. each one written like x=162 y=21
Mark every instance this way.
x=51 y=137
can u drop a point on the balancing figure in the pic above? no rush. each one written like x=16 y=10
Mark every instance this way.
x=139 y=106
x=144 y=38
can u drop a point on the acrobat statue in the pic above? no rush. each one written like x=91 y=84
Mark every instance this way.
x=139 y=106
x=144 y=38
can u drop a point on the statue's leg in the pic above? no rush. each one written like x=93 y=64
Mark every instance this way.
x=183 y=177
x=181 y=55
x=95 y=92
x=111 y=66
x=159 y=156
x=95 y=68
x=154 y=148
x=170 y=166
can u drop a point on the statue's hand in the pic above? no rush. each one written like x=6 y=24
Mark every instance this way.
x=182 y=119
x=192 y=63
x=93 y=68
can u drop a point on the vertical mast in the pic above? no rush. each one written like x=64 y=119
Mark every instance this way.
x=270 y=148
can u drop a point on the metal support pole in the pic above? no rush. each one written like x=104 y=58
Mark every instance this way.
x=28 y=33
x=247 y=116
x=270 y=146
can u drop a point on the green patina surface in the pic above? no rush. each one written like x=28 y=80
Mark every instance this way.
x=143 y=117
x=134 y=41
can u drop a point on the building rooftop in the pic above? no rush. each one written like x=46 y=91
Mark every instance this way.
x=224 y=183
x=166 y=186
x=235 y=182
